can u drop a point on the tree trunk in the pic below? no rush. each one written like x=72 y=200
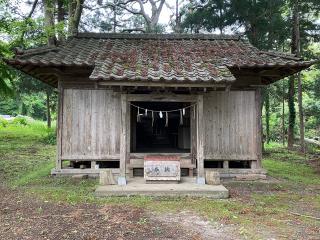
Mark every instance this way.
x=48 y=109
x=49 y=8
x=178 y=18
x=292 y=113
x=282 y=117
x=301 y=115
x=60 y=18
x=295 y=50
x=151 y=26
x=75 y=11
x=114 y=17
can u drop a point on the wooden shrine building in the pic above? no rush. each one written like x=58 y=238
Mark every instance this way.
x=123 y=97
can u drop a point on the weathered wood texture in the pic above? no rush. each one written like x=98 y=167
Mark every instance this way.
x=200 y=137
x=91 y=124
x=231 y=126
x=59 y=127
x=125 y=133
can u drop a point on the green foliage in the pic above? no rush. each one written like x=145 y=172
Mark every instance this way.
x=5 y=73
x=3 y=122
x=19 y=121
x=50 y=137
x=26 y=127
x=268 y=25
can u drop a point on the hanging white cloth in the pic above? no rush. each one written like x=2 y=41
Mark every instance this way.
x=167 y=120
x=152 y=117
x=138 y=115
x=181 y=117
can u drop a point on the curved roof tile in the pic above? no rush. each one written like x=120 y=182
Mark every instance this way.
x=167 y=57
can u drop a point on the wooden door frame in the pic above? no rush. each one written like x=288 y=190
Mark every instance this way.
x=125 y=141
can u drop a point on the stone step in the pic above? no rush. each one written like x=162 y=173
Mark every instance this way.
x=137 y=186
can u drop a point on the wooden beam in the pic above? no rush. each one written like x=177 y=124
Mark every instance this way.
x=162 y=97
x=123 y=141
x=91 y=158
x=200 y=142
x=161 y=84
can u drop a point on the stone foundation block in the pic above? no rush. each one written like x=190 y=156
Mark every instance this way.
x=80 y=176
x=106 y=178
x=212 y=178
x=251 y=177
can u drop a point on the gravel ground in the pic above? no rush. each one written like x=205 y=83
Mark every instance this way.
x=24 y=217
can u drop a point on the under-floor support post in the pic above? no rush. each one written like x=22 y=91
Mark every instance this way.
x=226 y=164
x=93 y=164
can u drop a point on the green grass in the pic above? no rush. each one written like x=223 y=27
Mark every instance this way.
x=27 y=158
x=289 y=165
x=293 y=172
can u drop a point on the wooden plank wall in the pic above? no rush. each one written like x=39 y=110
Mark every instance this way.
x=230 y=125
x=91 y=124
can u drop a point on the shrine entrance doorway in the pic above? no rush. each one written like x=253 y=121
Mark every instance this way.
x=160 y=127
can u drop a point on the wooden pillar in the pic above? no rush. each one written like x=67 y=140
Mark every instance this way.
x=93 y=164
x=225 y=164
x=59 y=126
x=200 y=142
x=259 y=127
x=123 y=140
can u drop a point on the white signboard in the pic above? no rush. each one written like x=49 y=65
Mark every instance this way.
x=162 y=170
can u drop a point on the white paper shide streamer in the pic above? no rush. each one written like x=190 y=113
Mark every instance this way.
x=182 y=113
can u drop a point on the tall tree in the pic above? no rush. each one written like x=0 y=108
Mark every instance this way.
x=297 y=46
x=74 y=15
x=295 y=49
x=138 y=7
x=209 y=15
x=49 y=21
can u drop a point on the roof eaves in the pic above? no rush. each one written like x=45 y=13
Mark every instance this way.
x=288 y=64
x=282 y=55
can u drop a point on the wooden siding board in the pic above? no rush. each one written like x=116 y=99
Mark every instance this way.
x=230 y=125
x=90 y=124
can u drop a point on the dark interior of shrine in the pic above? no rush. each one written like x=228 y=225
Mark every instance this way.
x=167 y=131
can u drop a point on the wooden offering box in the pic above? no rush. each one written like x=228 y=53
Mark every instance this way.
x=162 y=168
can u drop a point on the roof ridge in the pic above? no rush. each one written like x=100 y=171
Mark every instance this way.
x=33 y=51
x=166 y=36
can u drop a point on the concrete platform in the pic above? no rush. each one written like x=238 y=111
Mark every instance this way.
x=187 y=187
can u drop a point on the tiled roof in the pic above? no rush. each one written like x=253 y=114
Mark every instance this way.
x=155 y=57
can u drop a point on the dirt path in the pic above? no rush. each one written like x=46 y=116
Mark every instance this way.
x=207 y=229
x=23 y=217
